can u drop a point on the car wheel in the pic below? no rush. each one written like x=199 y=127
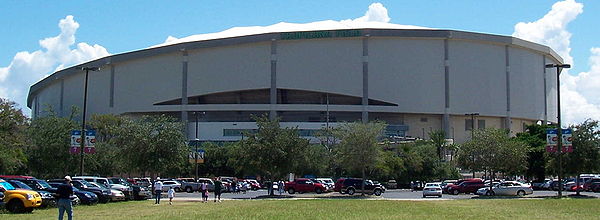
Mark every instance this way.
x=521 y=193
x=177 y=189
x=490 y=193
x=318 y=190
x=440 y=196
x=15 y=206
x=189 y=189
x=454 y=192
x=377 y=192
x=351 y=191
x=424 y=196
x=291 y=191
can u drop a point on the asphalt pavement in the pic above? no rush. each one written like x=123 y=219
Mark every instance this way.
x=395 y=194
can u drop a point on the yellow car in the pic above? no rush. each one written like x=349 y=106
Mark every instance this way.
x=19 y=200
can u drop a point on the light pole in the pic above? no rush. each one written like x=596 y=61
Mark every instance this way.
x=87 y=70
x=559 y=129
x=196 y=142
x=472 y=132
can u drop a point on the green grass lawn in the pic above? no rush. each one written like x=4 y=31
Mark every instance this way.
x=336 y=209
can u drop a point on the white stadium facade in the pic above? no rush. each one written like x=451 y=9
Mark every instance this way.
x=415 y=80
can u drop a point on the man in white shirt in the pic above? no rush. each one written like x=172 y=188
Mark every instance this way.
x=158 y=187
x=204 y=192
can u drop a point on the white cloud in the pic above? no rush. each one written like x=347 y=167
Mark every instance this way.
x=375 y=17
x=26 y=68
x=376 y=13
x=580 y=94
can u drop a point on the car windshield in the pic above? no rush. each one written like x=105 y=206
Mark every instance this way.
x=44 y=184
x=86 y=183
x=368 y=182
x=7 y=186
x=21 y=185
x=432 y=185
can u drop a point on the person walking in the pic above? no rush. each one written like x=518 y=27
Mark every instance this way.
x=204 y=190
x=158 y=187
x=218 y=187
x=65 y=191
x=280 y=187
x=171 y=194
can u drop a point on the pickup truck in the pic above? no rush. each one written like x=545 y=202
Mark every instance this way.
x=304 y=185
x=191 y=187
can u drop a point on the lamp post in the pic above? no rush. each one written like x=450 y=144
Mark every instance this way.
x=472 y=131
x=87 y=70
x=196 y=142
x=559 y=129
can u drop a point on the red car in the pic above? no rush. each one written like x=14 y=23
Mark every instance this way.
x=338 y=185
x=304 y=185
x=468 y=186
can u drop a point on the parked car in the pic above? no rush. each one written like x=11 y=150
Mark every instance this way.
x=191 y=187
x=447 y=183
x=432 y=189
x=103 y=194
x=337 y=187
x=302 y=185
x=139 y=192
x=115 y=195
x=467 y=186
x=328 y=182
x=507 y=188
x=587 y=185
x=392 y=184
x=254 y=185
x=19 y=200
x=354 y=185
x=171 y=184
x=85 y=197
x=1 y=200
x=105 y=182
x=47 y=197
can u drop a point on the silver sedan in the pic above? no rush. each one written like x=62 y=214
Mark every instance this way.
x=508 y=188
x=432 y=189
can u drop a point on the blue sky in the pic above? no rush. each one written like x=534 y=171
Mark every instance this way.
x=120 y=26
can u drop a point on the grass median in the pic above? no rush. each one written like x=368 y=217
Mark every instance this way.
x=335 y=209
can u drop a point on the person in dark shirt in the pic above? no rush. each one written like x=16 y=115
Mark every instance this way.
x=64 y=192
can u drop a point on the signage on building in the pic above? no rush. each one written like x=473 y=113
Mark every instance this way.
x=320 y=34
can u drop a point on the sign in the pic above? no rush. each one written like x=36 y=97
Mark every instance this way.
x=552 y=140
x=90 y=142
x=200 y=153
x=320 y=34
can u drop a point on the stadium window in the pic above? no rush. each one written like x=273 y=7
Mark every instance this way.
x=468 y=124
x=481 y=124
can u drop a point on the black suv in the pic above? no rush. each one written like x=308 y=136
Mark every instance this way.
x=354 y=185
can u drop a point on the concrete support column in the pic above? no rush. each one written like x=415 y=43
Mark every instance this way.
x=543 y=66
x=365 y=65
x=446 y=116
x=507 y=120
x=184 y=95
x=273 y=90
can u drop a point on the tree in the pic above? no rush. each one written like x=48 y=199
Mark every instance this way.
x=107 y=160
x=438 y=139
x=272 y=151
x=585 y=157
x=50 y=136
x=492 y=150
x=358 y=150
x=12 y=137
x=537 y=158
x=154 y=144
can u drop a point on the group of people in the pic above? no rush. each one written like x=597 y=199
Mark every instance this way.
x=158 y=189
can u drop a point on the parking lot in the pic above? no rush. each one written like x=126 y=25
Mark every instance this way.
x=395 y=194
